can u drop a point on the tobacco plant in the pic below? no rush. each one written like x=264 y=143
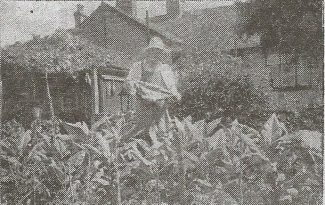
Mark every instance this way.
x=204 y=162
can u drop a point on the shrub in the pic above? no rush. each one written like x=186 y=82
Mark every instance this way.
x=220 y=97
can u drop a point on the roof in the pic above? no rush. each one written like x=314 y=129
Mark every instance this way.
x=207 y=28
x=63 y=51
x=139 y=22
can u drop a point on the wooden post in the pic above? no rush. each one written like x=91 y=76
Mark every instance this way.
x=0 y=104
x=49 y=97
x=147 y=23
x=95 y=96
x=236 y=31
x=1 y=101
x=179 y=136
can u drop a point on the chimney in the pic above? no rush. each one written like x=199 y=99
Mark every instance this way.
x=79 y=16
x=172 y=7
x=129 y=7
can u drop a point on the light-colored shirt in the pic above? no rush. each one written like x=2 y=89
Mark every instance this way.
x=162 y=78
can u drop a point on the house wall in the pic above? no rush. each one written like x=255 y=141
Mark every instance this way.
x=255 y=66
x=111 y=29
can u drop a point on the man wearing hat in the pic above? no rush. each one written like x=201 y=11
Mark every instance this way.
x=153 y=86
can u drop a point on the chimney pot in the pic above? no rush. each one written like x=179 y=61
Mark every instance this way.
x=79 y=16
x=129 y=7
x=172 y=7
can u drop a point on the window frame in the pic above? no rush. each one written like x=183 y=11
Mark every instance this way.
x=295 y=64
x=112 y=79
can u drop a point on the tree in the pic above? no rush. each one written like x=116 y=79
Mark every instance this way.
x=293 y=26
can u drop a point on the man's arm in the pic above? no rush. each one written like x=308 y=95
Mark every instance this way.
x=170 y=80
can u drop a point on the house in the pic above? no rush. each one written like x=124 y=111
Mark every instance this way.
x=290 y=84
x=70 y=66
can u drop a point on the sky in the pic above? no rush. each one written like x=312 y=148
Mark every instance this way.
x=20 y=20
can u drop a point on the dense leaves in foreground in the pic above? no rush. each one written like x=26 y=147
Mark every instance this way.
x=192 y=163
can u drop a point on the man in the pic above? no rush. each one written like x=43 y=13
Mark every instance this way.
x=153 y=86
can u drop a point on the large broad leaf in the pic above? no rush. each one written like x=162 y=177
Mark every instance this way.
x=211 y=126
x=239 y=129
x=101 y=181
x=151 y=151
x=190 y=156
x=143 y=144
x=79 y=130
x=191 y=130
x=138 y=154
x=254 y=158
x=40 y=187
x=57 y=170
x=233 y=189
x=249 y=143
x=98 y=178
x=202 y=127
x=35 y=151
x=152 y=184
x=286 y=199
x=246 y=135
x=203 y=183
x=273 y=129
x=217 y=140
x=64 y=137
x=182 y=138
x=126 y=170
x=76 y=160
x=179 y=125
x=153 y=135
x=293 y=192
x=100 y=122
x=61 y=147
x=118 y=125
x=92 y=148
x=308 y=139
x=104 y=145
x=25 y=139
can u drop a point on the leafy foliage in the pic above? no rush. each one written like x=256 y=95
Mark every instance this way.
x=190 y=163
x=292 y=26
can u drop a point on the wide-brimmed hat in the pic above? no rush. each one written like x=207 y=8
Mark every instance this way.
x=156 y=43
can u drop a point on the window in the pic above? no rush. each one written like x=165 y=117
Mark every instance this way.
x=111 y=87
x=288 y=72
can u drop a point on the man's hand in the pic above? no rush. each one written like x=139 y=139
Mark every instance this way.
x=178 y=96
